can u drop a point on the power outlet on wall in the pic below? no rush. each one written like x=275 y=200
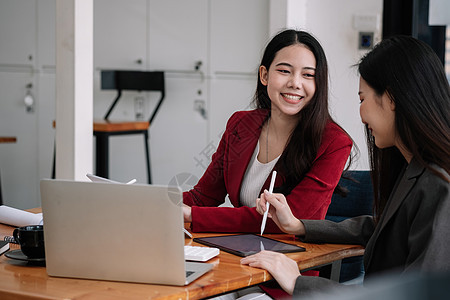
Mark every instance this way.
x=368 y=28
x=365 y=40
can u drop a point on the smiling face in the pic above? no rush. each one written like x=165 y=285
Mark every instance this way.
x=378 y=113
x=290 y=79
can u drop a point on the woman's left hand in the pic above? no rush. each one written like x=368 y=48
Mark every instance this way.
x=283 y=269
x=187 y=213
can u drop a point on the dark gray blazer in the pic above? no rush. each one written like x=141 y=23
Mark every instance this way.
x=413 y=233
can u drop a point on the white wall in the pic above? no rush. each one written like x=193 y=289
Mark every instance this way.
x=439 y=13
x=329 y=20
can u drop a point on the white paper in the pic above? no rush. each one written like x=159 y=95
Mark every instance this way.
x=17 y=217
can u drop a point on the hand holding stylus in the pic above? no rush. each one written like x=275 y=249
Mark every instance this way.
x=280 y=213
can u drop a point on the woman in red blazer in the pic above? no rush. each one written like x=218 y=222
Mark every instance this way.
x=290 y=131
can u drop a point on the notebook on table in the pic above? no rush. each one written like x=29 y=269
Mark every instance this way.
x=118 y=232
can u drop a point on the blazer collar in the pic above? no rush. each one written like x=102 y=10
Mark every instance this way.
x=406 y=182
x=403 y=186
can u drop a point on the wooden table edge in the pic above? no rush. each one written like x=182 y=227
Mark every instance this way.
x=201 y=288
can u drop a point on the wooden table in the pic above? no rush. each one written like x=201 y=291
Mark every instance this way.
x=18 y=280
x=7 y=139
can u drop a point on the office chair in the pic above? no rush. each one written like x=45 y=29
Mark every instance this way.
x=358 y=201
x=122 y=81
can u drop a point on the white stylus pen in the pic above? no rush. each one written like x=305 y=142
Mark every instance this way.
x=264 y=220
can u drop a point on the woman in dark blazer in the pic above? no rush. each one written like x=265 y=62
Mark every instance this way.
x=405 y=106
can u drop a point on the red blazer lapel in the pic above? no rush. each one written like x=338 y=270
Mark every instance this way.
x=242 y=142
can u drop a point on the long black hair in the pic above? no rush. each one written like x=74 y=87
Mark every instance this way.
x=412 y=75
x=298 y=156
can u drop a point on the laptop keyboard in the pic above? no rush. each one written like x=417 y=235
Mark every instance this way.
x=196 y=253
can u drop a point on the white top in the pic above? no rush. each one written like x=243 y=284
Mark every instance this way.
x=254 y=178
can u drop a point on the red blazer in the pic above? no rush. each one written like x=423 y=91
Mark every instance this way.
x=308 y=200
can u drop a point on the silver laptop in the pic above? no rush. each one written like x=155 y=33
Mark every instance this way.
x=117 y=232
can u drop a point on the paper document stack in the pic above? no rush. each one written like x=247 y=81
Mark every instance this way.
x=17 y=217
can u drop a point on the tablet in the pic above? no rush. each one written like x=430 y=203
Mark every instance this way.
x=95 y=178
x=247 y=244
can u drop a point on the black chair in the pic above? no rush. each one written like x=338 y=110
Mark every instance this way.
x=123 y=81
x=358 y=201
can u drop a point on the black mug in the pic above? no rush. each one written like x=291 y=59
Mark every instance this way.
x=31 y=240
